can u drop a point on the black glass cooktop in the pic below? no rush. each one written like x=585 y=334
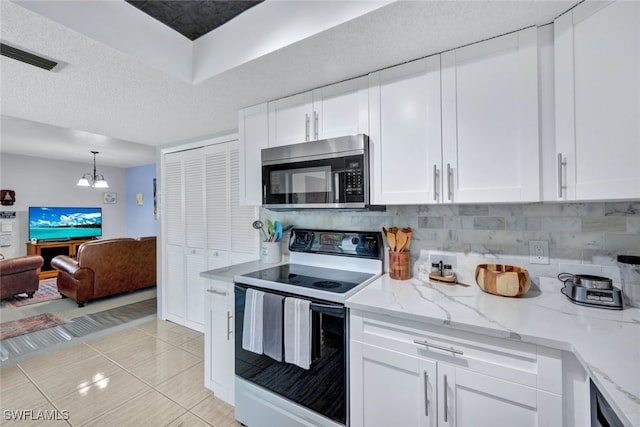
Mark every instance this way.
x=320 y=278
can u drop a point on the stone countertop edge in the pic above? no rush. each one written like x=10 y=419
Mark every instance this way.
x=229 y=272
x=606 y=342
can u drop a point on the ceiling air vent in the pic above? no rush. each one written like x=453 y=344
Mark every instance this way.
x=28 y=58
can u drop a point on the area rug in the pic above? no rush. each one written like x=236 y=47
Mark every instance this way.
x=27 y=325
x=47 y=291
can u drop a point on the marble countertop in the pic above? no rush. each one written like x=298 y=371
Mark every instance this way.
x=606 y=342
x=228 y=273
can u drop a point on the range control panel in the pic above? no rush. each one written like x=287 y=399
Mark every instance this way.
x=363 y=244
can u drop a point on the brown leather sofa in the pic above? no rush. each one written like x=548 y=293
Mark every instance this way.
x=107 y=267
x=19 y=275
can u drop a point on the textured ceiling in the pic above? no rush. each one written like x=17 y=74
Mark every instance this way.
x=193 y=19
x=114 y=95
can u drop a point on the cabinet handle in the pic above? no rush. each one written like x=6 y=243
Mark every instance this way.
x=306 y=127
x=426 y=394
x=561 y=165
x=217 y=292
x=446 y=404
x=315 y=124
x=439 y=347
x=229 y=317
x=449 y=181
x=435 y=182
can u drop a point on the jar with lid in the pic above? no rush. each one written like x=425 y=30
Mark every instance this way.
x=447 y=271
x=421 y=267
x=630 y=278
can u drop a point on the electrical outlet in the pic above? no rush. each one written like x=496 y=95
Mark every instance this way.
x=538 y=252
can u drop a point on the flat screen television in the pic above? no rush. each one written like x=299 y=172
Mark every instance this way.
x=49 y=223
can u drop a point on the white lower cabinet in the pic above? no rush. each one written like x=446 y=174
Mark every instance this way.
x=219 y=340
x=411 y=374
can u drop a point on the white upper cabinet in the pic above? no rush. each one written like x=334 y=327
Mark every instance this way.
x=490 y=137
x=341 y=109
x=405 y=132
x=336 y=110
x=290 y=119
x=253 y=133
x=597 y=69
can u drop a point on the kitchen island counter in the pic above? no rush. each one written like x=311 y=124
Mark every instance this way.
x=606 y=342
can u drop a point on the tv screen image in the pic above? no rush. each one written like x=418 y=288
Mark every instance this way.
x=61 y=223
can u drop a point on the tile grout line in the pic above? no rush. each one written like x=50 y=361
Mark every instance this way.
x=48 y=399
x=152 y=387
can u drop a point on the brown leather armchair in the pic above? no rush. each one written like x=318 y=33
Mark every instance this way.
x=19 y=275
x=107 y=267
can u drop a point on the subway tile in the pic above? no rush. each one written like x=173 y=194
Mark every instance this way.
x=520 y=223
x=604 y=224
x=582 y=209
x=562 y=224
x=430 y=222
x=489 y=223
x=622 y=208
x=506 y=210
x=474 y=210
x=615 y=241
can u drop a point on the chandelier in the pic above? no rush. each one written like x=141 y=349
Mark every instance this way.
x=95 y=180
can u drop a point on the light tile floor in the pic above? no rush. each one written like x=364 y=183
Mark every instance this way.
x=151 y=374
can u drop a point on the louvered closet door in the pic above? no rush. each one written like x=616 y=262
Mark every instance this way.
x=217 y=202
x=195 y=236
x=172 y=203
x=245 y=239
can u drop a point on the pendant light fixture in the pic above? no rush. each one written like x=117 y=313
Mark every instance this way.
x=95 y=180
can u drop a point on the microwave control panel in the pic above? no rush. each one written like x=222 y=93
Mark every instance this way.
x=354 y=177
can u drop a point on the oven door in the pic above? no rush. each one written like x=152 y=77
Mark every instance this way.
x=323 y=387
x=337 y=182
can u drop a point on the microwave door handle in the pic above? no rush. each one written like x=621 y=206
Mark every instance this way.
x=336 y=187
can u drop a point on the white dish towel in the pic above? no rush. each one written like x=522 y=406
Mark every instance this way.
x=297 y=332
x=252 y=326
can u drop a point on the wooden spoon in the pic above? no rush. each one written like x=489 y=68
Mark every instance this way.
x=401 y=241
x=391 y=239
x=409 y=234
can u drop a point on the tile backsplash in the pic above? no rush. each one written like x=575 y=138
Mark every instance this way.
x=583 y=237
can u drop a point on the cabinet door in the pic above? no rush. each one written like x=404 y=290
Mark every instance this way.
x=253 y=130
x=219 y=346
x=341 y=109
x=477 y=400
x=598 y=101
x=244 y=238
x=490 y=120
x=390 y=388
x=405 y=132
x=290 y=120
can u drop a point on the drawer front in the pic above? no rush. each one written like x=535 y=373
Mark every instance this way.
x=220 y=292
x=512 y=361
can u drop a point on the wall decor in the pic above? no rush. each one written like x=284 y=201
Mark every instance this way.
x=7 y=197
x=155 y=199
x=109 y=198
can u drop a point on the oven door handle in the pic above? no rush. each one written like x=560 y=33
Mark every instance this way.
x=332 y=310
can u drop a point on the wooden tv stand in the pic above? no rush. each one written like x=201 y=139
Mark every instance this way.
x=49 y=250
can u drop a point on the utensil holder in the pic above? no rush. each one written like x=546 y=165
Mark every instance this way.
x=399 y=265
x=270 y=252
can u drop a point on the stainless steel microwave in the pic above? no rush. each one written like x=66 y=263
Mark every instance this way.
x=329 y=173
